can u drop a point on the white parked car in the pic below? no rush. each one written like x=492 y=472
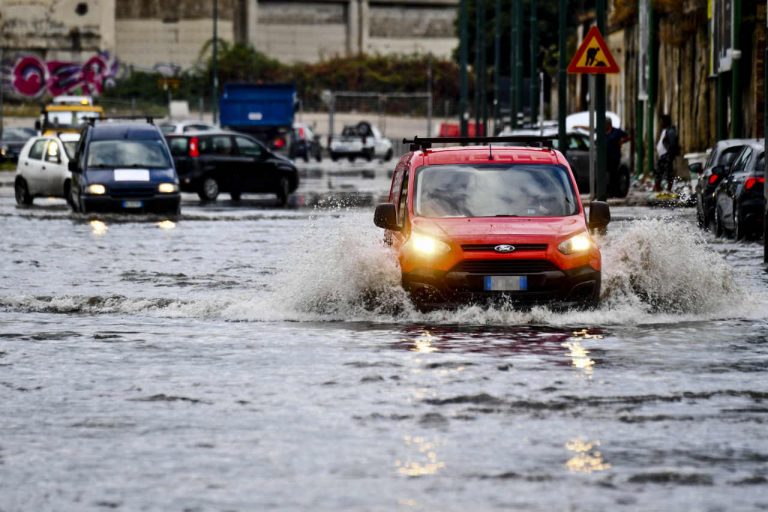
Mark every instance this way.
x=43 y=167
x=176 y=127
x=361 y=140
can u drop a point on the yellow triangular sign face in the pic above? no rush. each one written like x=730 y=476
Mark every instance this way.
x=593 y=56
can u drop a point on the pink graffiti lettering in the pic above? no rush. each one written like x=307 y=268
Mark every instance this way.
x=33 y=77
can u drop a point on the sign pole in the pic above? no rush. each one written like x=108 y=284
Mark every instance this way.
x=592 y=87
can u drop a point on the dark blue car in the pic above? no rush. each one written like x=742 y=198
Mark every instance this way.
x=124 y=167
x=739 y=200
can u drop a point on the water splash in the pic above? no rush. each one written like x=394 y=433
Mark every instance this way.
x=654 y=271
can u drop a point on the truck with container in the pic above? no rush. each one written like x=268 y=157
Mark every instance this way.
x=265 y=111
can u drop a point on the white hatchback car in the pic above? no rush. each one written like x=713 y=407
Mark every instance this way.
x=43 y=168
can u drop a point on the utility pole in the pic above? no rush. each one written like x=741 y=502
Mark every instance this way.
x=463 y=53
x=765 y=138
x=478 y=29
x=736 y=110
x=534 y=62
x=519 y=59
x=652 y=75
x=602 y=174
x=483 y=70
x=562 y=77
x=496 y=66
x=214 y=70
x=513 y=43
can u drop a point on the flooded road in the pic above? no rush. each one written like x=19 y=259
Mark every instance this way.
x=253 y=358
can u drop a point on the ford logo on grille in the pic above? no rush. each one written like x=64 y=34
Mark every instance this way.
x=504 y=248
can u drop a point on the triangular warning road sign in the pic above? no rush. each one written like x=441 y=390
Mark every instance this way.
x=593 y=56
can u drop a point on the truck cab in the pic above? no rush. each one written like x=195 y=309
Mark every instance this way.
x=67 y=114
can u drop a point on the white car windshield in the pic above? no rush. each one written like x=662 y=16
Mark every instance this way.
x=128 y=153
x=494 y=191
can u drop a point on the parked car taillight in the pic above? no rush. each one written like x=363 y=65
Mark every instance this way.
x=713 y=179
x=752 y=181
x=278 y=143
x=194 y=148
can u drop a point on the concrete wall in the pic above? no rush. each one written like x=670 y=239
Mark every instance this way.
x=145 y=33
x=57 y=29
x=148 y=43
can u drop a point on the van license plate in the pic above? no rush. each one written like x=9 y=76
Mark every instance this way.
x=132 y=204
x=506 y=283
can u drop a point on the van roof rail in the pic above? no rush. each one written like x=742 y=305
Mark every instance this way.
x=148 y=119
x=418 y=143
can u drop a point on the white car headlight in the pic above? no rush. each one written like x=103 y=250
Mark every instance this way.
x=428 y=246
x=167 y=188
x=96 y=189
x=576 y=244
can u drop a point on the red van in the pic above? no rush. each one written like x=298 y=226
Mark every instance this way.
x=473 y=223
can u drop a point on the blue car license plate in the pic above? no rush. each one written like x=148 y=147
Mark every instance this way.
x=505 y=283
x=132 y=204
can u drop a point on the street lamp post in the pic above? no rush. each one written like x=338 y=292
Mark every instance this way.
x=463 y=57
x=214 y=58
x=561 y=77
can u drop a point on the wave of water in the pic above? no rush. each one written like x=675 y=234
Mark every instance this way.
x=654 y=271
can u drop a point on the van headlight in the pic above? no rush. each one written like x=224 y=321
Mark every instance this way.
x=428 y=246
x=96 y=189
x=167 y=188
x=576 y=244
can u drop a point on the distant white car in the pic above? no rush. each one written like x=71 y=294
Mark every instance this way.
x=361 y=140
x=176 y=127
x=43 y=167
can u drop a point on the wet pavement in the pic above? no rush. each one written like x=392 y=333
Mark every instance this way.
x=246 y=357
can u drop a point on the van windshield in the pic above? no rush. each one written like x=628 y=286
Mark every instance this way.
x=494 y=191
x=128 y=153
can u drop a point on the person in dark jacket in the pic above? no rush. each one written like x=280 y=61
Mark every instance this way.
x=668 y=148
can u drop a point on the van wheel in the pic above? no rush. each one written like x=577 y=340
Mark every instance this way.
x=351 y=158
x=235 y=196
x=68 y=193
x=334 y=157
x=23 y=197
x=283 y=191
x=209 y=189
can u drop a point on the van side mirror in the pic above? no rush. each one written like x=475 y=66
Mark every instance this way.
x=72 y=166
x=599 y=215
x=696 y=168
x=385 y=216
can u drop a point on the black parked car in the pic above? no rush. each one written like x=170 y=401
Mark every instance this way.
x=222 y=161
x=710 y=175
x=739 y=200
x=125 y=167
x=12 y=141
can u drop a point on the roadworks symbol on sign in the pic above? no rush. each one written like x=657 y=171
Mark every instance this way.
x=593 y=56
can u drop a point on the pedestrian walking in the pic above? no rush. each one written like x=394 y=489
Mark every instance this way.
x=668 y=148
x=614 y=138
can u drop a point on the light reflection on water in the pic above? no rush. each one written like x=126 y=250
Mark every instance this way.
x=423 y=462
x=98 y=228
x=586 y=457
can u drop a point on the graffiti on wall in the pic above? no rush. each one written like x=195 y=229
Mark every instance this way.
x=33 y=77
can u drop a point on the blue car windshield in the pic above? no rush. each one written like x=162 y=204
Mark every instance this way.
x=128 y=153
x=494 y=191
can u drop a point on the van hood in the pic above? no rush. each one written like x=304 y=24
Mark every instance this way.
x=501 y=229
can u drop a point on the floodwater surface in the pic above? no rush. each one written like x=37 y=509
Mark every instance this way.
x=249 y=358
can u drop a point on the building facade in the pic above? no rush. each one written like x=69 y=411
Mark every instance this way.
x=171 y=34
